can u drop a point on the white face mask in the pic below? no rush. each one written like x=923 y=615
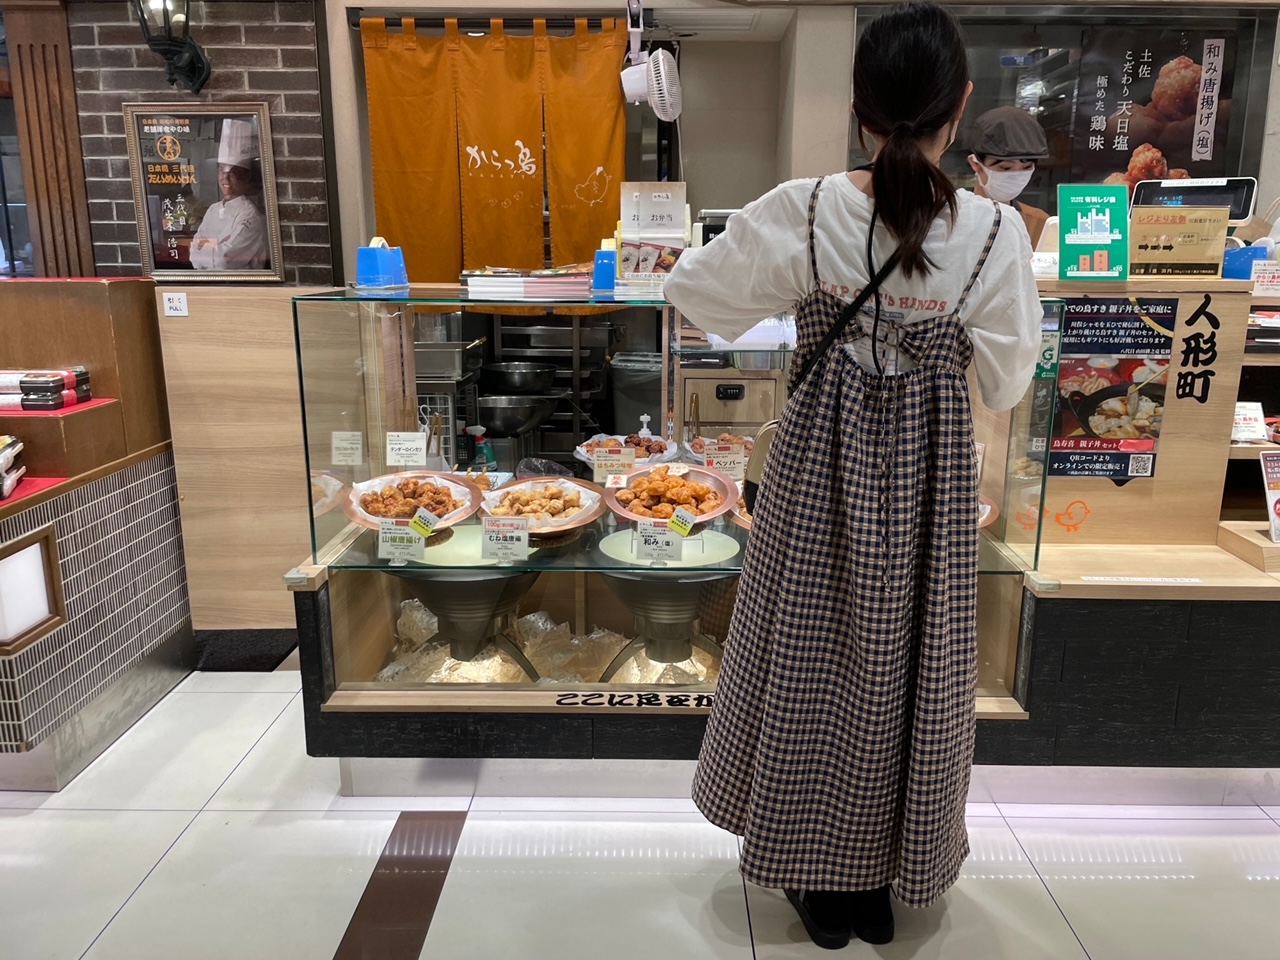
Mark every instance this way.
x=1004 y=185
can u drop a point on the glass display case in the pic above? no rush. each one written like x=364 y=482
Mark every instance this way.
x=585 y=610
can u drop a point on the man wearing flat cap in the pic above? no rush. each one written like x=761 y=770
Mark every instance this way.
x=1007 y=142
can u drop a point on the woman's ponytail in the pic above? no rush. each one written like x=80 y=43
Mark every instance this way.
x=910 y=73
x=910 y=192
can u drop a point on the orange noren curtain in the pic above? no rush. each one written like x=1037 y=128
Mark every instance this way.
x=586 y=139
x=413 y=138
x=500 y=150
x=470 y=135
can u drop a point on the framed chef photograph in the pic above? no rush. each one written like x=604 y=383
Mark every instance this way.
x=205 y=192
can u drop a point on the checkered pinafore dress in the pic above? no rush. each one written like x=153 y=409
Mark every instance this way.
x=841 y=740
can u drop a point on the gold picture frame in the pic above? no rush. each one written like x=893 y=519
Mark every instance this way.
x=204 y=191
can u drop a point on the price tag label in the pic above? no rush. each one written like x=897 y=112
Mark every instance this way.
x=613 y=460
x=505 y=539
x=616 y=481
x=345 y=448
x=398 y=541
x=1250 y=423
x=656 y=541
x=729 y=458
x=406 y=449
x=423 y=523
x=1266 y=278
x=682 y=522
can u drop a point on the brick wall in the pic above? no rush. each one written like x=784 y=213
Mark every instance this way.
x=259 y=51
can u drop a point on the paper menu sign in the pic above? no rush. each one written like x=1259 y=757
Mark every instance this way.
x=1271 y=481
x=613 y=461
x=505 y=539
x=1093 y=232
x=406 y=449
x=397 y=541
x=654 y=211
x=729 y=458
x=653 y=229
x=1250 y=423
x=1177 y=241
x=655 y=541
x=345 y=448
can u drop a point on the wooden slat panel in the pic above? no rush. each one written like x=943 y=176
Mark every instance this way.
x=232 y=377
x=49 y=136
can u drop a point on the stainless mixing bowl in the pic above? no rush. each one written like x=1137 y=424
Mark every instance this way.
x=524 y=378
x=513 y=416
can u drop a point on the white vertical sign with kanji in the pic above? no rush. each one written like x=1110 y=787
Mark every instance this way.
x=1207 y=104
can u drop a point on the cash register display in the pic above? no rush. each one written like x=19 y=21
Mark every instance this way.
x=1238 y=193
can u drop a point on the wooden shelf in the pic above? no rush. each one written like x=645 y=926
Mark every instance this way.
x=1250 y=451
x=1261 y=359
x=10 y=507
x=1148 y=572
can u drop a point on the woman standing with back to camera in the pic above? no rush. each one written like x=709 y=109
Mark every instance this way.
x=841 y=740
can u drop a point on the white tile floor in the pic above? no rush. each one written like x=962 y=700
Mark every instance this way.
x=206 y=832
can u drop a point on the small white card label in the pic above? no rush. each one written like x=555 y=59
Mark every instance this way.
x=616 y=481
x=656 y=541
x=614 y=460
x=346 y=448
x=980 y=450
x=1250 y=423
x=1266 y=278
x=175 y=305
x=729 y=458
x=397 y=540
x=505 y=539
x=406 y=449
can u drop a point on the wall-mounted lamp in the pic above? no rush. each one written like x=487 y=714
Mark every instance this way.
x=164 y=26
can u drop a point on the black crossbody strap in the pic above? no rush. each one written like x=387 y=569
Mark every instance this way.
x=846 y=316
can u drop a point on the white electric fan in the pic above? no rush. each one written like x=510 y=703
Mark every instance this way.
x=653 y=79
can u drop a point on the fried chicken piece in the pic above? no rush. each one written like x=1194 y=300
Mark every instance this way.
x=408 y=488
x=1177 y=173
x=1118 y=180
x=374 y=507
x=1147 y=163
x=403 y=509
x=656 y=447
x=625 y=497
x=634 y=440
x=391 y=493
x=664 y=511
x=1177 y=89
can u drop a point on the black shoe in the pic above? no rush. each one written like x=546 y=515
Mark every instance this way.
x=871 y=915
x=825 y=916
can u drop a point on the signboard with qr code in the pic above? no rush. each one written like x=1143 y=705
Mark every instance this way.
x=1112 y=377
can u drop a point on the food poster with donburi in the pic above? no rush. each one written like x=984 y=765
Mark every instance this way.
x=1152 y=105
x=1112 y=377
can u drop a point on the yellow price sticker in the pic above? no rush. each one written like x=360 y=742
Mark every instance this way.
x=682 y=522
x=423 y=523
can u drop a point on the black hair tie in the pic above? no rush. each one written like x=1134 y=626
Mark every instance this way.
x=903 y=128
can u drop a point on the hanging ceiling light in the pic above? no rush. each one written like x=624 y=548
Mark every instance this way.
x=165 y=28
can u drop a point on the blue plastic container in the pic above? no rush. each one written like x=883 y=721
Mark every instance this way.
x=1238 y=264
x=606 y=273
x=381 y=267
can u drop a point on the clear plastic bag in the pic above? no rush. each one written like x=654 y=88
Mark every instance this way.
x=534 y=467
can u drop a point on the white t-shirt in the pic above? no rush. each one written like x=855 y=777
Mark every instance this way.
x=760 y=267
x=232 y=236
